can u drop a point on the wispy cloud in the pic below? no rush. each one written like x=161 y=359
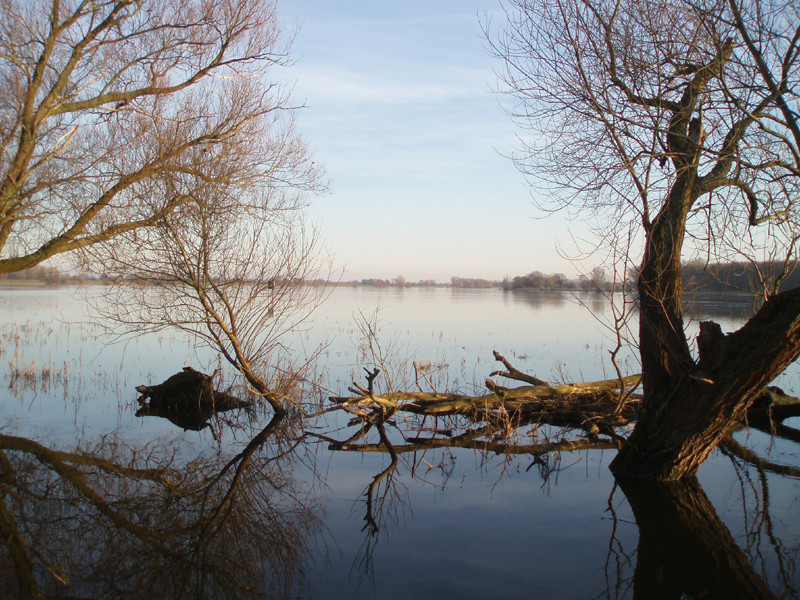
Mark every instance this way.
x=355 y=88
x=400 y=111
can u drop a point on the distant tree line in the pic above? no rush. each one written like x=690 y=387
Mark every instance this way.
x=375 y=282
x=697 y=277
x=596 y=280
x=472 y=283
x=744 y=277
x=400 y=281
x=536 y=280
x=48 y=275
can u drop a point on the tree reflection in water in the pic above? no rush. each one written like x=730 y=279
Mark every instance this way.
x=120 y=520
x=125 y=520
x=684 y=549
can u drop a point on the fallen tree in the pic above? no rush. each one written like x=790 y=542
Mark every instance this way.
x=591 y=406
x=580 y=416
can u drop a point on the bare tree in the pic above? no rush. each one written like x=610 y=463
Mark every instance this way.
x=235 y=279
x=148 y=136
x=679 y=117
x=116 y=113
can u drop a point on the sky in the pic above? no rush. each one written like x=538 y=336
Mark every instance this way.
x=399 y=106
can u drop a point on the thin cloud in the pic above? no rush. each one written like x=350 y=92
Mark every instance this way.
x=341 y=86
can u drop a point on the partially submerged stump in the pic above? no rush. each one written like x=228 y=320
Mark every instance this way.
x=188 y=399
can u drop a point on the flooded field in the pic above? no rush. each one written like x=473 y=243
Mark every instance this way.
x=100 y=502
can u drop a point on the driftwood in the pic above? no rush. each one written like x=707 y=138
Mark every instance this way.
x=596 y=407
x=188 y=399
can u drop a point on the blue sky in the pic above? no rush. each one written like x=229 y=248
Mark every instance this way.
x=400 y=110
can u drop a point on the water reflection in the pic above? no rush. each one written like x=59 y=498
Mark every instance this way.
x=127 y=520
x=458 y=512
x=732 y=306
x=135 y=521
x=685 y=550
x=538 y=299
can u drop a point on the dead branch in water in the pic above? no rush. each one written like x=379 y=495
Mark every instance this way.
x=591 y=406
x=596 y=407
x=536 y=419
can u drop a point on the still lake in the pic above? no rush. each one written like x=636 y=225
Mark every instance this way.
x=98 y=502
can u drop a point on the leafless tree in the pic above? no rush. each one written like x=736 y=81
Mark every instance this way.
x=679 y=117
x=148 y=136
x=234 y=279
x=114 y=114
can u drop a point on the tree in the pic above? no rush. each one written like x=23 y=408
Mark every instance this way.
x=676 y=121
x=598 y=279
x=114 y=114
x=147 y=136
x=235 y=280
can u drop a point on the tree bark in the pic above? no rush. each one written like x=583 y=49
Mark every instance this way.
x=685 y=416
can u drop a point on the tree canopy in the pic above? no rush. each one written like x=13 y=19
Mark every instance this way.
x=115 y=114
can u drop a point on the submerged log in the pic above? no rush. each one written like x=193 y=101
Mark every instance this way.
x=188 y=399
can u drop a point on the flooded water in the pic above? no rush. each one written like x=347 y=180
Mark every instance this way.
x=98 y=502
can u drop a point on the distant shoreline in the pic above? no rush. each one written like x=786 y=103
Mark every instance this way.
x=39 y=283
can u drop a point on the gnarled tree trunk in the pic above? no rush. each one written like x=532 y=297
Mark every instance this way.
x=688 y=406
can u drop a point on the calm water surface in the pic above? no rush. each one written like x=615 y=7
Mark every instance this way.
x=451 y=523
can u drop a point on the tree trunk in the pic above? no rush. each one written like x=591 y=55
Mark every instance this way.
x=687 y=406
x=685 y=416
